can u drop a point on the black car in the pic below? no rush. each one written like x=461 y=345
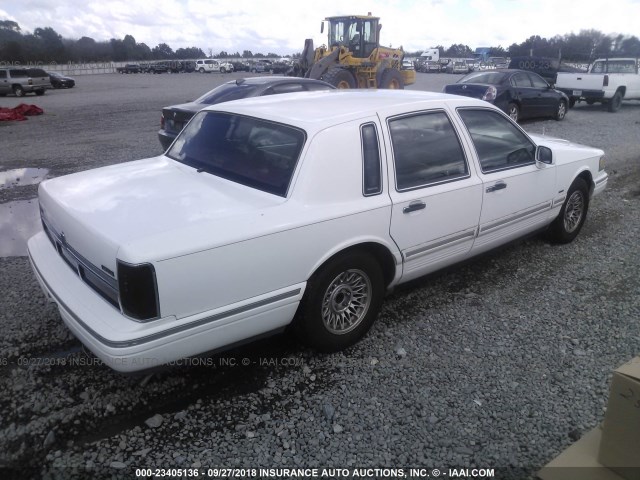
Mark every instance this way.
x=520 y=94
x=174 y=118
x=60 y=81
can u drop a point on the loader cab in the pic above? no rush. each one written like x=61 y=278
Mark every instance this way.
x=357 y=33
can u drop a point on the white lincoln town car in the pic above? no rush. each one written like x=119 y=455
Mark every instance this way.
x=298 y=210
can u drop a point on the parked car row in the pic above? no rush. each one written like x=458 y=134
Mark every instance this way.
x=206 y=65
x=21 y=81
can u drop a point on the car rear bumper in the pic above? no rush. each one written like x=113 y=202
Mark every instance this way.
x=128 y=346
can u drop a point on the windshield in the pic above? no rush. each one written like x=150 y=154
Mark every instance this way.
x=226 y=93
x=490 y=78
x=246 y=150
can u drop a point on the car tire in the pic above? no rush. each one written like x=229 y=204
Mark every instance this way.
x=513 y=111
x=573 y=213
x=201 y=70
x=40 y=92
x=615 y=102
x=340 y=78
x=392 y=79
x=18 y=91
x=561 y=111
x=341 y=302
x=223 y=70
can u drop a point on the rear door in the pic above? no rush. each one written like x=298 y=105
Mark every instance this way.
x=435 y=192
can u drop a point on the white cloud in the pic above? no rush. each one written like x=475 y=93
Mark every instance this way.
x=282 y=25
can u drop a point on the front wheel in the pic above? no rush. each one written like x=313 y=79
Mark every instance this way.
x=223 y=70
x=513 y=111
x=572 y=215
x=18 y=91
x=561 y=112
x=341 y=302
x=201 y=70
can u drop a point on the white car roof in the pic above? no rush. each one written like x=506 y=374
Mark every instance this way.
x=317 y=110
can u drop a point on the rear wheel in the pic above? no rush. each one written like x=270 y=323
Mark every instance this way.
x=392 y=79
x=340 y=78
x=18 y=91
x=615 y=102
x=201 y=70
x=573 y=213
x=561 y=111
x=513 y=111
x=341 y=302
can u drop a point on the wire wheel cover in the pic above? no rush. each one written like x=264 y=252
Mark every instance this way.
x=346 y=301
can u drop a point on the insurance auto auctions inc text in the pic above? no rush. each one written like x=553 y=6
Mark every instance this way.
x=374 y=473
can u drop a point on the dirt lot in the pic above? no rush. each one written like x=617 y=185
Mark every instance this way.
x=501 y=363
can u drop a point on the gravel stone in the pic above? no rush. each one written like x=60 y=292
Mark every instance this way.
x=155 y=421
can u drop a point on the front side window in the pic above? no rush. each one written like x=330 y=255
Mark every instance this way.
x=426 y=151
x=245 y=150
x=498 y=142
x=537 y=81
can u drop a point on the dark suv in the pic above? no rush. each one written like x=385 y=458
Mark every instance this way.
x=174 y=118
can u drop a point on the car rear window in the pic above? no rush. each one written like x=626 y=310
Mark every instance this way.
x=491 y=78
x=37 y=72
x=226 y=93
x=250 y=151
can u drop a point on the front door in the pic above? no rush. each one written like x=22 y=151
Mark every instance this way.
x=517 y=193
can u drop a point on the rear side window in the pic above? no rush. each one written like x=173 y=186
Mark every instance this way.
x=18 y=73
x=500 y=145
x=3 y=74
x=245 y=150
x=426 y=151
x=371 y=166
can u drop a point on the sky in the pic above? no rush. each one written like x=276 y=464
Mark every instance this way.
x=280 y=26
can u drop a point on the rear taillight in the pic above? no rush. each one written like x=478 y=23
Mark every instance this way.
x=138 y=291
x=605 y=81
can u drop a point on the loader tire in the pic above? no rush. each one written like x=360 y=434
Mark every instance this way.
x=392 y=79
x=339 y=78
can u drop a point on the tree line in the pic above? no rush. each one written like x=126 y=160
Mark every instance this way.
x=46 y=45
x=582 y=47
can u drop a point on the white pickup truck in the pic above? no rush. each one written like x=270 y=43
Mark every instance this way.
x=608 y=81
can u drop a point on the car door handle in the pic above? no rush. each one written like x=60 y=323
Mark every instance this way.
x=413 y=206
x=497 y=186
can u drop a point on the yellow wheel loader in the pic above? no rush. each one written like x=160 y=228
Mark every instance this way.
x=353 y=57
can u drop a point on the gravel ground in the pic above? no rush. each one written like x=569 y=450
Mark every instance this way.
x=500 y=363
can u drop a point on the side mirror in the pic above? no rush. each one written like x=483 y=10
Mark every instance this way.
x=544 y=155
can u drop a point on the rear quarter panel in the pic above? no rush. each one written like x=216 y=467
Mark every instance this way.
x=325 y=213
